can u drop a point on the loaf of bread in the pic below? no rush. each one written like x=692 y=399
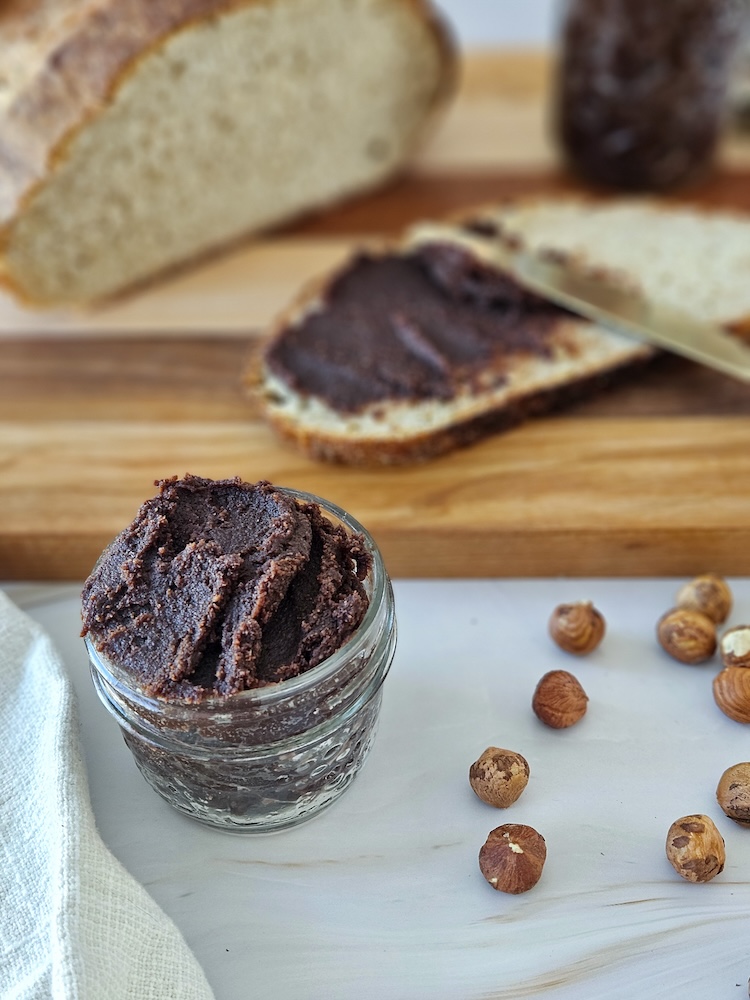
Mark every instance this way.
x=137 y=135
x=360 y=371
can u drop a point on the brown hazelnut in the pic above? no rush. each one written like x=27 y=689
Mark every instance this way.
x=733 y=793
x=695 y=848
x=734 y=647
x=708 y=593
x=512 y=858
x=732 y=692
x=577 y=628
x=499 y=776
x=687 y=635
x=559 y=700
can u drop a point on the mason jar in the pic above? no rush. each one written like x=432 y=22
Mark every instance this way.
x=641 y=88
x=270 y=757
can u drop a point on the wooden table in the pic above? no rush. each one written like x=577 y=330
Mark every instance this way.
x=651 y=478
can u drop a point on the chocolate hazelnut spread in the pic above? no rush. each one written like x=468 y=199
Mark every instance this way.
x=221 y=586
x=642 y=88
x=415 y=326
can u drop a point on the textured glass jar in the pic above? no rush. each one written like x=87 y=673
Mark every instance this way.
x=270 y=757
x=642 y=88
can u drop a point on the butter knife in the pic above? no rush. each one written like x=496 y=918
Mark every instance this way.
x=628 y=312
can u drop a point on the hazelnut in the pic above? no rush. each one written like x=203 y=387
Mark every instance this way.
x=559 y=700
x=512 y=858
x=499 y=776
x=732 y=692
x=687 y=635
x=577 y=628
x=695 y=848
x=708 y=593
x=733 y=793
x=734 y=647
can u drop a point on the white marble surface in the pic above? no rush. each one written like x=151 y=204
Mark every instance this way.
x=381 y=896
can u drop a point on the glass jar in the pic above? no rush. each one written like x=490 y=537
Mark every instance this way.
x=270 y=757
x=642 y=88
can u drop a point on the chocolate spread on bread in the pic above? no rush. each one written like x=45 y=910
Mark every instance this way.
x=411 y=326
x=221 y=586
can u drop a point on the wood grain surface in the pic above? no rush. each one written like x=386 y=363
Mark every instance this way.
x=650 y=478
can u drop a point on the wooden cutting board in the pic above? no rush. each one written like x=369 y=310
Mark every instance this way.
x=650 y=478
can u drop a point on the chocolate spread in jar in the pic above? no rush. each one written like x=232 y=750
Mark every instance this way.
x=414 y=326
x=642 y=87
x=221 y=586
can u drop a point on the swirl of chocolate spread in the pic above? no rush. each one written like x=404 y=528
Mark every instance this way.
x=414 y=326
x=221 y=586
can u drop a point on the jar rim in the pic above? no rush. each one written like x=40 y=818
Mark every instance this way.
x=281 y=690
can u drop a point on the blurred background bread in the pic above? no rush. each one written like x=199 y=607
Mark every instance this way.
x=136 y=136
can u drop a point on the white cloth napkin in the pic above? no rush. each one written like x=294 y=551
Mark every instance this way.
x=74 y=925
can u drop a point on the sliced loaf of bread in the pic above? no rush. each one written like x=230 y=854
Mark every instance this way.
x=358 y=373
x=136 y=135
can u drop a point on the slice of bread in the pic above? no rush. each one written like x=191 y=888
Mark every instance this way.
x=408 y=417
x=691 y=259
x=699 y=261
x=136 y=135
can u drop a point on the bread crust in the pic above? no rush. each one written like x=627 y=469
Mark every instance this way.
x=433 y=444
x=81 y=57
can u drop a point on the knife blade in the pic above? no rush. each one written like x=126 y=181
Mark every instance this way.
x=628 y=312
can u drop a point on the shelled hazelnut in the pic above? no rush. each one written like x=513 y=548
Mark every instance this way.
x=512 y=858
x=734 y=647
x=709 y=593
x=559 y=700
x=731 y=689
x=687 y=635
x=733 y=793
x=499 y=776
x=695 y=848
x=577 y=628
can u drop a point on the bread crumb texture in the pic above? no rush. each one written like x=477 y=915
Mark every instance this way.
x=687 y=258
x=229 y=125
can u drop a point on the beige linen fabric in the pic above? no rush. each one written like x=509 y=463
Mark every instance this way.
x=74 y=924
